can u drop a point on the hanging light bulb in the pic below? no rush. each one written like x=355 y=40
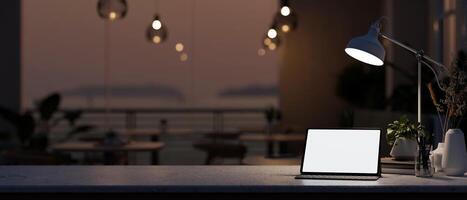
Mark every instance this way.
x=179 y=47
x=286 y=19
x=286 y=23
x=183 y=57
x=271 y=40
x=261 y=52
x=285 y=11
x=157 y=31
x=272 y=33
x=112 y=9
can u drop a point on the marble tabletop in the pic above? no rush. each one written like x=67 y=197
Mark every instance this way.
x=204 y=179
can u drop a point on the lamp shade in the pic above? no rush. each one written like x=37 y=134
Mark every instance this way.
x=367 y=48
x=112 y=9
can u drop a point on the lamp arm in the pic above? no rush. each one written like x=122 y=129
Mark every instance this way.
x=419 y=53
x=412 y=50
x=436 y=75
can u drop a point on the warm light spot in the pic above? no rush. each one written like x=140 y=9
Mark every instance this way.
x=156 y=24
x=179 y=47
x=285 y=28
x=267 y=41
x=364 y=56
x=157 y=39
x=112 y=15
x=272 y=33
x=261 y=52
x=285 y=11
x=184 y=57
x=272 y=47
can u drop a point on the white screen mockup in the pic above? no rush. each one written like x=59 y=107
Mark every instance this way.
x=341 y=151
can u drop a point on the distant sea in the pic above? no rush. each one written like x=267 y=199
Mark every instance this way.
x=215 y=102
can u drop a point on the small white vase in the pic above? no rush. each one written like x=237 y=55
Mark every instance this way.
x=437 y=157
x=454 y=160
x=404 y=149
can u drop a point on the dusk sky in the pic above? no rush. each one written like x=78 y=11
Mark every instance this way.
x=63 y=50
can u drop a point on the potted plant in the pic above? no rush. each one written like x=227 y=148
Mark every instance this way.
x=402 y=136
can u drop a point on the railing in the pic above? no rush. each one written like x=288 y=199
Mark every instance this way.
x=215 y=119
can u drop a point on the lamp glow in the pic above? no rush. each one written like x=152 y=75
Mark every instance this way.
x=285 y=11
x=285 y=28
x=272 y=33
x=112 y=9
x=183 y=57
x=179 y=47
x=285 y=20
x=156 y=24
x=272 y=46
x=156 y=32
x=112 y=16
x=261 y=52
x=156 y=39
x=364 y=57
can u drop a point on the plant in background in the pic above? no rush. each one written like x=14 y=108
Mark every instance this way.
x=33 y=133
x=23 y=123
x=272 y=114
x=403 y=128
x=452 y=107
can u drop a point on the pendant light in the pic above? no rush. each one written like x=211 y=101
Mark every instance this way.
x=109 y=10
x=157 y=30
x=112 y=9
x=286 y=19
x=271 y=40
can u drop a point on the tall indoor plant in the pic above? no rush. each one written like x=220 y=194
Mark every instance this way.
x=451 y=109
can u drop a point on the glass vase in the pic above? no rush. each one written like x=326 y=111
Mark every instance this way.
x=423 y=165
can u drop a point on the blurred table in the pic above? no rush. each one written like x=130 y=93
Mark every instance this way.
x=272 y=139
x=132 y=146
x=157 y=132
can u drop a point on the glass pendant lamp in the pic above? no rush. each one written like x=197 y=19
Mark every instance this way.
x=157 y=31
x=112 y=9
x=286 y=19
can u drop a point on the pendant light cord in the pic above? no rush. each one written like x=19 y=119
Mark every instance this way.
x=192 y=63
x=107 y=81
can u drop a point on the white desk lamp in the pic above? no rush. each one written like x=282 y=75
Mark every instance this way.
x=368 y=49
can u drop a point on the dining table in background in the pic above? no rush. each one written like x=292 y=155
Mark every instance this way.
x=111 y=150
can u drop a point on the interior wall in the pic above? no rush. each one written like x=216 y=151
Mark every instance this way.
x=313 y=56
x=10 y=54
x=407 y=16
